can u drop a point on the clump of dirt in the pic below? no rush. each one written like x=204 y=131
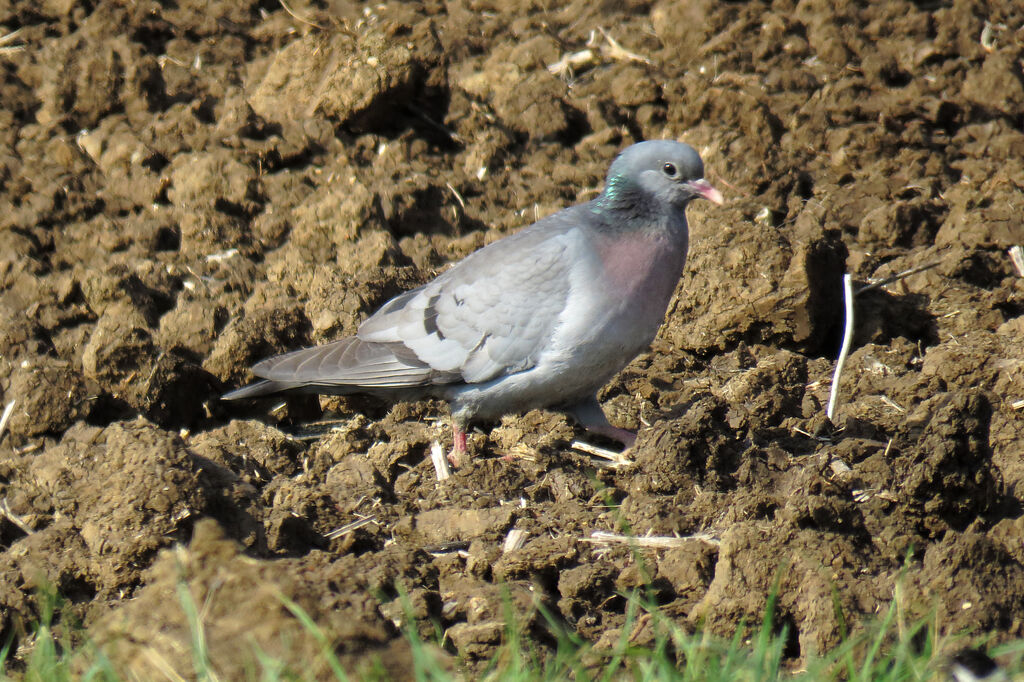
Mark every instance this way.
x=212 y=578
x=185 y=190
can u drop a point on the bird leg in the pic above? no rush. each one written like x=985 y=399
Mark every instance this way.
x=591 y=417
x=624 y=436
x=458 y=456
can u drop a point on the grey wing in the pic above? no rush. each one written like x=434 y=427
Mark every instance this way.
x=347 y=362
x=492 y=314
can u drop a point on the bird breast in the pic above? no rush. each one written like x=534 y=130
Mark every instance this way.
x=641 y=272
x=620 y=295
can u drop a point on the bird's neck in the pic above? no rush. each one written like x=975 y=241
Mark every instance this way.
x=628 y=206
x=620 y=195
x=622 y=215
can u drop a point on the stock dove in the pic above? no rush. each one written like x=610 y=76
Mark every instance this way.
x=539 y=319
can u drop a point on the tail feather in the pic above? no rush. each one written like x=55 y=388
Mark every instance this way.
x=346 y=362
x=254 y=390
x=343 y=366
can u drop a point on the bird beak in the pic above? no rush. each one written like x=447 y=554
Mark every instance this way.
x=703 y=188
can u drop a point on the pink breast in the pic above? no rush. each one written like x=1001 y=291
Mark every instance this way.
x=646 y=263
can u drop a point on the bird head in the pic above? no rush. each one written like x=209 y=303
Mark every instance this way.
x=664 y=170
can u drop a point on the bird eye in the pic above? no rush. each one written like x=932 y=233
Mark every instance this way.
x=670 y=169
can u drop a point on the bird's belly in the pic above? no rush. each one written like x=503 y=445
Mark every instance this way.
x=539 y=387
x=587 y=352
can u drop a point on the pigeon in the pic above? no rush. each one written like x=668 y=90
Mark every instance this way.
x=542 y=318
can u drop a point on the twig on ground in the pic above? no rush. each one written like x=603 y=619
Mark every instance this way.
x=1017 y=256
x=845 y=350
x=515 y=539
x=895 y=278
x=863 y=495
x=6 y=417
x=569 y=62
x=617 y=459
x=447 y=547
x=521 y=451
x=808 y=434
x=222 y=256
x=987 y=38
x=839 y=467
x=601 y=537
x=859 y=495
x=305 y=437
x=440 y=461
x=892 y=403
x=458 y=197
x=28 y=448
x=163 y=59
x=618 y=52
x=299 y=17
x=9 y=38
x=5 y=511
x=350 y=527
x=313 y=430
x=422 y=115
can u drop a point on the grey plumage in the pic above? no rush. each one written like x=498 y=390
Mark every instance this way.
x=542 y=318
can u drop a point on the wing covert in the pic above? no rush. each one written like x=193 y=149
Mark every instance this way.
x=490 y=315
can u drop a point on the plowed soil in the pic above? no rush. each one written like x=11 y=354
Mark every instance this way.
x=188 y=187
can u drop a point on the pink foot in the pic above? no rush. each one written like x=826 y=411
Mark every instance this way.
x=457 y=457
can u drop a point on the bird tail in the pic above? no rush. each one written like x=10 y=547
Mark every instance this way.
x=348 y=365
x=265 y=387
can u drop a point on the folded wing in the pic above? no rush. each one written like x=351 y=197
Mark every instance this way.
x=491 y=315
x=347 y=362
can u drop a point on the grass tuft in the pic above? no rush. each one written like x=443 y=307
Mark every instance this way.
x=885 y=650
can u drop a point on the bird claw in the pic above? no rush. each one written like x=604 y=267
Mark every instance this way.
x=456 y=459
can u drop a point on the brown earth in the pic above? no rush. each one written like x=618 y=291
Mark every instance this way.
x=188 y=187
